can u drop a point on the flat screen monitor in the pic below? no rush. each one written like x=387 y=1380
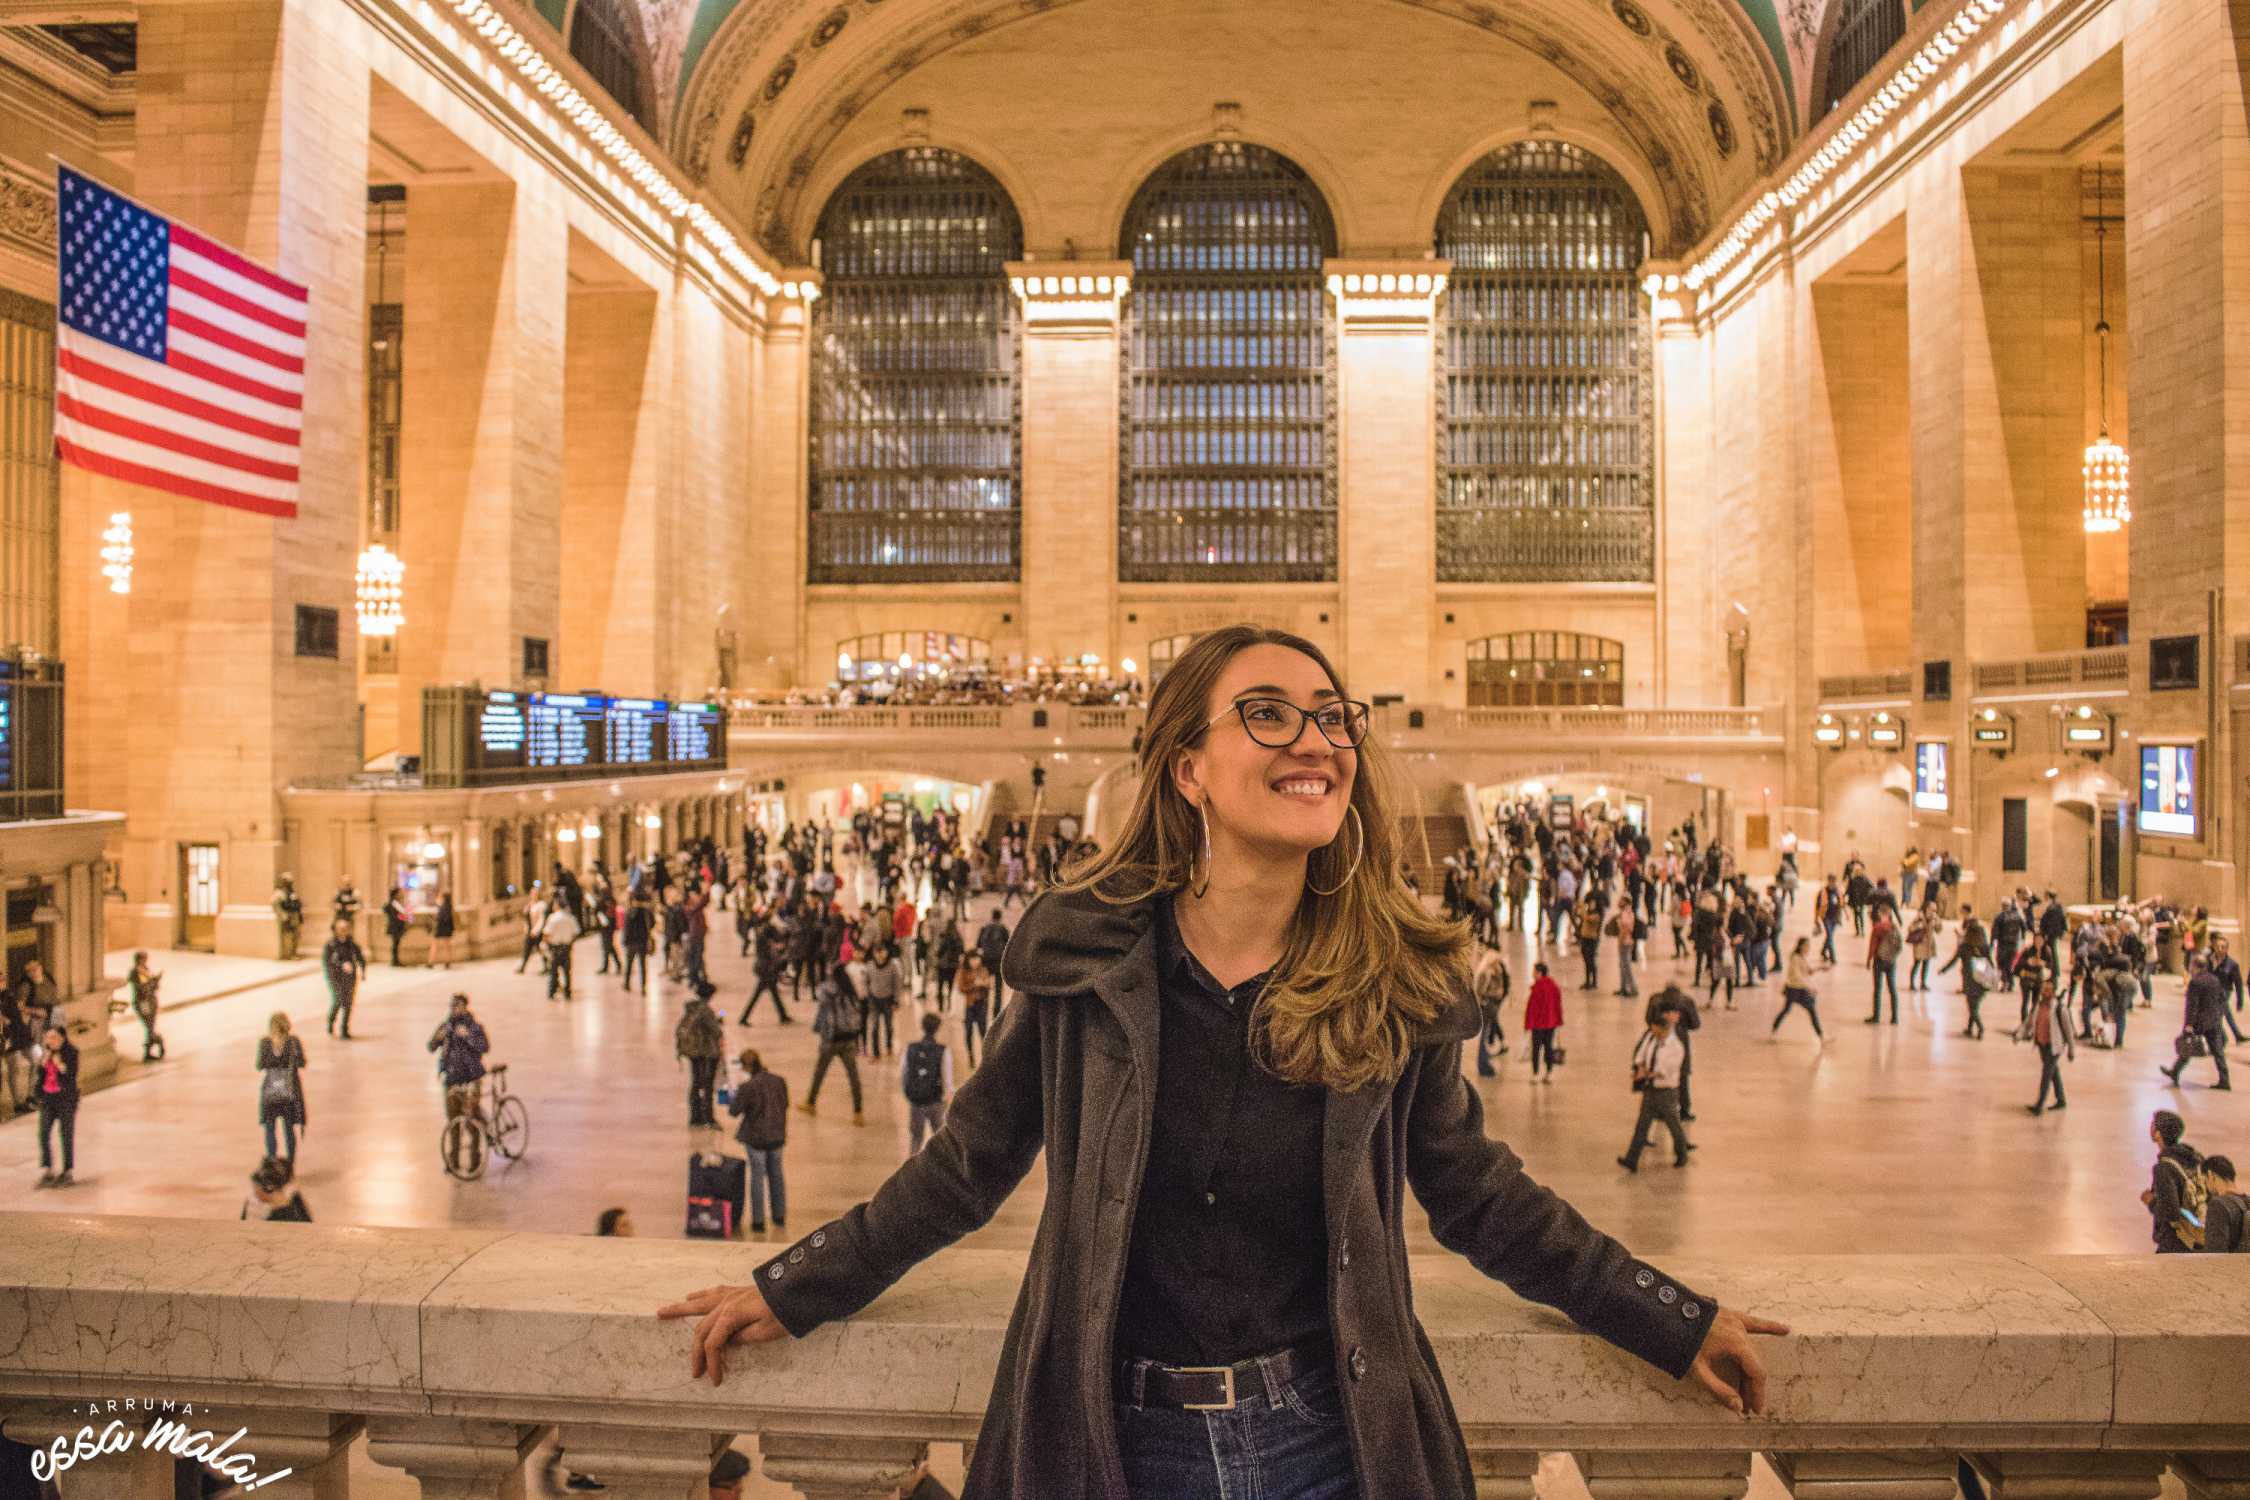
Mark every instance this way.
x=1930 y=787
x=2168 y=790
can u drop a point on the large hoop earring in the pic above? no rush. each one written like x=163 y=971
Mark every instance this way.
x=1198 y=888
x=1357 y=855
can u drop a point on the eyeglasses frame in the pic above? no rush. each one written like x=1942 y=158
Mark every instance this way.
x=1367 y=720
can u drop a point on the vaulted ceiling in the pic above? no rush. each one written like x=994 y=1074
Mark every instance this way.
x=760 y=98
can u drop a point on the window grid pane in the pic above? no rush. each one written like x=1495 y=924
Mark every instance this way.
x=1539 y=669
x=1545 y=432
x=1865 y=31
x=1227 y=469
x=917 y=417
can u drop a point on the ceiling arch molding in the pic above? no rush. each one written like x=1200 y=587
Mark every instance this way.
x=980 y=149
x=1615 y=152
x=788 y=151
x=1306 y=155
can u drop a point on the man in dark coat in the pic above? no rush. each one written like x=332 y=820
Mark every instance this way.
x=1072 y=1070
x=2206 y=1011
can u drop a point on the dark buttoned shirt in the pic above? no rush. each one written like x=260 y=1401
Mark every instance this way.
x=1229 y=1255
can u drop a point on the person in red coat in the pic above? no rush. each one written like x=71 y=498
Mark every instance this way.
x=1542 y=1015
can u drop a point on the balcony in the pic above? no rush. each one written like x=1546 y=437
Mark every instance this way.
x=454 y=1354
x=2100 y=667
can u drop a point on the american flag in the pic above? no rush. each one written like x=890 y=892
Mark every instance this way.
x=179 y=364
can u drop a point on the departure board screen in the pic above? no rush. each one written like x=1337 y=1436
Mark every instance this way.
x=635 y=727
x=473 y=737
x=695 y=734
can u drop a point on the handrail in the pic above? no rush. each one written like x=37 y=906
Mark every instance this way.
x=2116 y=1364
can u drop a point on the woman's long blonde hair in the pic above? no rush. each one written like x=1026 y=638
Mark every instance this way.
x=1361 y=967
x=277 y=1027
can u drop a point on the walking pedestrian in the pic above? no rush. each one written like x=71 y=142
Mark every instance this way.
x=396 y=920
x=947 y=960
x=1489 y=979
x=1972 y=951
x=772 y=957
x=925 y=1077
x=762 y=1105
x=882 y=982
x=141 y=984
x=557 y=933
x=976 y=996
x=640 y=931
x=344 y=965
x=2050 y=1030
x=1796 y=987
x=1657 y=1059
x=839 y=1022
x=441 y=932
x=1622 y=929
x=281 y=1087
x=534 y=922
x=54 y=1083
x=2202 y=1032
x=1921 y=939
x=1884 y=945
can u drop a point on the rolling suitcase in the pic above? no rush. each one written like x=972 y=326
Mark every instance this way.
x=716 y=1185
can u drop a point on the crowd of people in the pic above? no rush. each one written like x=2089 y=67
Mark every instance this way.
x=924 y=690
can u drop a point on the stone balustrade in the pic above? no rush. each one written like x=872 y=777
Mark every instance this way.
x=455 y=1353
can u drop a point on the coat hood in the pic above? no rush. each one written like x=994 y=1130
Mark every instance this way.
x=1068 y=940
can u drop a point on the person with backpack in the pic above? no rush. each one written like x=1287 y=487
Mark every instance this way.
x=281 y=1086
x=272 y=1199
x=2049 y=1028
x=839 y=1022
x=925 y=1076
x=1489 y=980
x=2176 y=1197
x=762 y=1105
x=1883 y=948
x=700 y=1037
x=1973 y=952
x=2225 y=1211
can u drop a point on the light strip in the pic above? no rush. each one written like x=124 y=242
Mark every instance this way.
x=1888 y=100
x=526 y=58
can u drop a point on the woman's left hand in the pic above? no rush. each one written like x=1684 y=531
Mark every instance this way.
x=1728 y=1364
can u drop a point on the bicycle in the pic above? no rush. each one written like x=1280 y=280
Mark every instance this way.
x=505 y=1128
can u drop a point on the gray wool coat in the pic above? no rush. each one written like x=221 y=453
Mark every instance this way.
x=1071 y=1071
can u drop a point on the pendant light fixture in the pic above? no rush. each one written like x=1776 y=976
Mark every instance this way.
x=2109 y=498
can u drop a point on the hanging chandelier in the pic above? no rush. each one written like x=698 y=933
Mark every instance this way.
x=382 y=577
x=2109 y=491
x=117 y=552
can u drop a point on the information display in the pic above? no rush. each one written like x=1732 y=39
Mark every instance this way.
x=1930 y=775
x=472 y=738
x=2168 y=790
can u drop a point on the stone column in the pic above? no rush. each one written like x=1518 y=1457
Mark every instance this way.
x=314 y=1446
x=1069 y=546
x=774 y=569
x=1679 y=1474
x=615 y=523
x=1693 y=669
x=642 y=1463
x=1504 y=1473
x=251 y=125
x=1387 y=542
x=481 y=435
x=456 y=1458
x=827 y=1466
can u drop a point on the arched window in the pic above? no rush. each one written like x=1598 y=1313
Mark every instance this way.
x=1227 y=469
x=1165 y=650
x=1545 y=436
x=602 y=40
x=1864 y=31
x=927 y=653
x=917 y=414
x=1546 y=669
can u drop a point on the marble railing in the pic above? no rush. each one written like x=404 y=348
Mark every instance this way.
x=456 y=1353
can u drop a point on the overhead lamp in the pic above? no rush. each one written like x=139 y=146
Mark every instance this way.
x=117 y=552
x=566 y=835
x=2108 y=503
x=651 y=821
x=433 y=850
x=590 y=832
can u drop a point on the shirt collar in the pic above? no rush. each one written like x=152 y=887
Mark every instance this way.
x=1175 y=963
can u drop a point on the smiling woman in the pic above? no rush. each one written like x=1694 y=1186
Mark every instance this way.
x=1236 y=1037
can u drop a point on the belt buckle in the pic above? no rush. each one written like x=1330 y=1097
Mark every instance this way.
x=1226 y=1370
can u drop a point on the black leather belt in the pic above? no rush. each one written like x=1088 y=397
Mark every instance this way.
x=1149 y=1382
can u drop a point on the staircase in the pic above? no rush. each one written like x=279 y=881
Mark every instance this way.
x=1424 y=842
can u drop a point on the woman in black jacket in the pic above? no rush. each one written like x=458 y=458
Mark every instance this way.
x=396 y=919
x=281 y=1087
x=54 y=1084
x=1227 y=1190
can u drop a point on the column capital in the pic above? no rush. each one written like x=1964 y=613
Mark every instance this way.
x=1069 y=294
x=1386 y=293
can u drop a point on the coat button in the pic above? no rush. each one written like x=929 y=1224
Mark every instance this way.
x=1691 y=1311
x=1645 y=1279
x=1358 y=1362
x=1667 y=1296
x=775 y=1273
x=820 y=1238
x=796 y=1255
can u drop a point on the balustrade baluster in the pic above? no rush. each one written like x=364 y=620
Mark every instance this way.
x=2213 y=1476
x=456 y=1458
x=1665 y=1474
x=643 y=1463
x=837 y=1466
x=1866 y=1476
x=2070 y=1476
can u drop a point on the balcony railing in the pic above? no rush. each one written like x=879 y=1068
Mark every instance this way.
x=1865 y=685
x=1623 y=723
x=2099 y=666
x=455 y=1354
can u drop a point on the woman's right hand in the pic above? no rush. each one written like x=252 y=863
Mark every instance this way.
x=730 y=1314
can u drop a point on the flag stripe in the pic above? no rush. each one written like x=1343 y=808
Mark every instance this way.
x=184 y=238
x=211 y=291
x=191 y=356
x=151 y=381
x=174 y=483
x=178 y=434
x=164 y=460
x=183 y=321
x=243 y=319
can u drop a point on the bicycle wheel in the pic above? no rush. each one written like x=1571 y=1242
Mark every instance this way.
x=511 y=1128
x=462 y=1148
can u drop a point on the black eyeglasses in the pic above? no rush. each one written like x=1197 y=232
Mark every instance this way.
x=1276 y=722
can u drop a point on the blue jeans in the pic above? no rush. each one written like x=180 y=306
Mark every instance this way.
x=289 y=1132
x=765 y=1164
x=1282 y=1441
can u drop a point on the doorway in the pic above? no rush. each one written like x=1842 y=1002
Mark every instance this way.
x=199 y=896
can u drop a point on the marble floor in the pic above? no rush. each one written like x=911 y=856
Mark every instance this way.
x=1892 y=1140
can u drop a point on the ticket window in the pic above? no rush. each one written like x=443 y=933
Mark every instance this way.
x=418 y=869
